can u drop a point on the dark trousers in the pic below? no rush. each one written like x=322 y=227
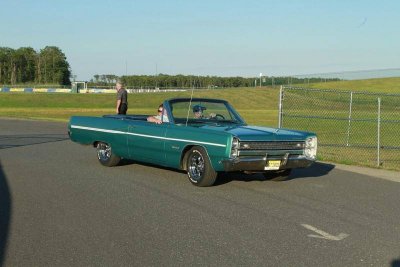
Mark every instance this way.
x=123 y=107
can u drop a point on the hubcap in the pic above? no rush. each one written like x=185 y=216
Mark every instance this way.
x=196 y=166
x=103 y=152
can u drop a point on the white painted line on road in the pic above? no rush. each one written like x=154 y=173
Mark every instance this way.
x=324 y=235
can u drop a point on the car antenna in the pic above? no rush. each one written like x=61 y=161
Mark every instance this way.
x=190 y=104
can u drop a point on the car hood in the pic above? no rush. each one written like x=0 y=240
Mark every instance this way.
x=257 y=133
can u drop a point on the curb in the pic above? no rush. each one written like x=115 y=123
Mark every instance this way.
x=393 y=176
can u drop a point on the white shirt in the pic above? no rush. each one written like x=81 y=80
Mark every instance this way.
x=164 y=118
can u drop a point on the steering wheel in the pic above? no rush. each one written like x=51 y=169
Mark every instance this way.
x=218 y=117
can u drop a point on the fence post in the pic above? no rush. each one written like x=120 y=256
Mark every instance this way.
x=349 y=125
x=280 y=107
x=379 y=132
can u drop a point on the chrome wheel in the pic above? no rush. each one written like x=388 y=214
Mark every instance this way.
x=106 y=156
x=103 y=152
x=199 y=168
x=196 y=166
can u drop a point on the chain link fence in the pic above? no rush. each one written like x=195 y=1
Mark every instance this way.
x=352 y=127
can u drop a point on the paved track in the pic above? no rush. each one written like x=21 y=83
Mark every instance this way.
x=60 y=207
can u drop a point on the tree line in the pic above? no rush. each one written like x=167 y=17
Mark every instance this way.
x=188 y=81
x=25 y=65
x=50 y=66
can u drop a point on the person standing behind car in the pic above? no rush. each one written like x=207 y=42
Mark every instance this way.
x=122 y=98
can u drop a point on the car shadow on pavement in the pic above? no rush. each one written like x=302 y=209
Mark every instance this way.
x=318 y=169
x=125 y=162
x=395 y=263
x=5 y=214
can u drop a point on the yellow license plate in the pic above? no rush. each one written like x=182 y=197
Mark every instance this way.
x=273 y=165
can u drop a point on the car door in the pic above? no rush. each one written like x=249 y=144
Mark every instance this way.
x=146 y=141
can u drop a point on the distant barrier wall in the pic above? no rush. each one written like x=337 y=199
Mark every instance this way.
x=89 y=90
x=133 y=91
x=34 y=90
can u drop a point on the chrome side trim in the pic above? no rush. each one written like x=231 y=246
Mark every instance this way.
x=145 y=135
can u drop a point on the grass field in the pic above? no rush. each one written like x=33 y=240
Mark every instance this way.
x=258 y=106
x=378 y=85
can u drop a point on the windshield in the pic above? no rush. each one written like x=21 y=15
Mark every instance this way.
x=203 y=111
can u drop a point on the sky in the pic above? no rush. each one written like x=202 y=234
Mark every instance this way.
x=218 y=37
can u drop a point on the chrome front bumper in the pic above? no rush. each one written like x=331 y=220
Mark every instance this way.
x=259 y=163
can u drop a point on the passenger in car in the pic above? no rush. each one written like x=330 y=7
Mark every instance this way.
x=160 y=117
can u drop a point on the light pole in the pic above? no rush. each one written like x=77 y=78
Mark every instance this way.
x=156 y=76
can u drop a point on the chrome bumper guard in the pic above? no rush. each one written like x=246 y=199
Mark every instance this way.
x=259 y=163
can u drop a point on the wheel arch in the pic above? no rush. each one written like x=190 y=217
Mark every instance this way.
x=96 y=142
x=184 y=155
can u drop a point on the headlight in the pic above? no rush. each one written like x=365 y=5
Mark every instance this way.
x=310 y=151
x=235 y=147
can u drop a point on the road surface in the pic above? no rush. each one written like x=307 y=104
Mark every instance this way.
x=60 y=207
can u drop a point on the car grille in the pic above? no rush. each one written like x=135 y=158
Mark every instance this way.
x=274 y=145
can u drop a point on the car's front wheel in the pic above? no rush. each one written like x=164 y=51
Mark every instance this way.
x=280 y=175
x=106 y=155
x=199 y=168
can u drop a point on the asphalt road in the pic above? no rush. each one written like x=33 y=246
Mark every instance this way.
x=60 y=207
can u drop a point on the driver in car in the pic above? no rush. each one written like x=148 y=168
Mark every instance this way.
x=198 y=112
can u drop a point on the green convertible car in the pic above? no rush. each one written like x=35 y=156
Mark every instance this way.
x=201 y=136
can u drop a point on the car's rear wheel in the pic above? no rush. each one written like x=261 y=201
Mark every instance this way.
x=199 y=168
x=106 y=155
x=280 y=175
